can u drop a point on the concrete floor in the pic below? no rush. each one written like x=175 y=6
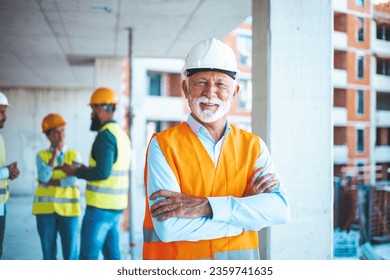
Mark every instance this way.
x=21 y=240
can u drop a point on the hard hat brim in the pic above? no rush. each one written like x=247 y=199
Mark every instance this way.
x=190 y=72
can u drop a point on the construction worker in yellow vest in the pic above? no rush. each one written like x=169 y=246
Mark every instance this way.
x=107 y=180
x=57 y=197
x=210 y=185
x=7 y=172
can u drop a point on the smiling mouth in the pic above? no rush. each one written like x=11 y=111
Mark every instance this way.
x=209 y=104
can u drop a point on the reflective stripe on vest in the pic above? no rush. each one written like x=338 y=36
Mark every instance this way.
x=112 y=193
x=45 y=185
x=247 y=254
x=119 y=172
x=4 y=190
x=183 y=152
x=150 y=235
x=55 y=199
x=64 y=201
x=105 y=190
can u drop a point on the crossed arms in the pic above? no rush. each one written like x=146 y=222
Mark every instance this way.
x=177 y=216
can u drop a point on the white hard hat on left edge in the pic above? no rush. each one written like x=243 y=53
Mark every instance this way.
x=4 y=100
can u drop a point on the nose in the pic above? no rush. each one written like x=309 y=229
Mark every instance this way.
x=209 y=90
x=61 y=135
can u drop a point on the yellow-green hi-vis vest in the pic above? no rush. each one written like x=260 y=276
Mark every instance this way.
x=64 y=201
x=112 y=193
x=4 y=191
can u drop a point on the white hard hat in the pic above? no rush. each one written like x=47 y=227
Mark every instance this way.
x=4 y=100
x=211 y=55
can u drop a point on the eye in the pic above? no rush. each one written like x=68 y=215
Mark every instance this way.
x=200 y=83
x=221 y=85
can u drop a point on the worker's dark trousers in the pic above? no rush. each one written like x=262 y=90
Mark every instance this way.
x=2 y=230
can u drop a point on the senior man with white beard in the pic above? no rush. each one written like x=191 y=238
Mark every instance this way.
x=210 y=185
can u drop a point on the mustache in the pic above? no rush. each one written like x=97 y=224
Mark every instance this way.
x=205 y=100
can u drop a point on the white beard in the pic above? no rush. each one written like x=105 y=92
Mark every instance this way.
x=208 y=116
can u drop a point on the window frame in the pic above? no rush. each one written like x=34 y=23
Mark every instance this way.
x=358 y=59
x=360 y=136
x=360 y=30
x=360 y=102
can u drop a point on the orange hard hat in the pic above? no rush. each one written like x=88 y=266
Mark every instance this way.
x=52 y=121
x=103 y=96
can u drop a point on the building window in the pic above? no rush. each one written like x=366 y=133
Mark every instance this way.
x=154 y=84
x=383 y=67
x=244 y=48
x=245 y=96
x=378 y=137
x=360 y=140
x=360 y=3
x=360 y=102
x=360 y=62
x=360 y=29
x=383 y=32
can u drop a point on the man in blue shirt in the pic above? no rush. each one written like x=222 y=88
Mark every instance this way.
x=208 y=181
x=56 y=201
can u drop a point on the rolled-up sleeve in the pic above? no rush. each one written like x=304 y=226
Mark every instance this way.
x=4 y=173
x=45 y=171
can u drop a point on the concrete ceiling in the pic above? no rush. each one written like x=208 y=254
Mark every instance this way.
x=53 y=43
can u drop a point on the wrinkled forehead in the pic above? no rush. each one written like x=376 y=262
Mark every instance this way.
x=211 y=75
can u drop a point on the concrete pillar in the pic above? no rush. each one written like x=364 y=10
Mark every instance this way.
x=372 y=120
x=372 y=98
x=114 y=73
x=292 y=106
x=137 y=189
x=146 y=108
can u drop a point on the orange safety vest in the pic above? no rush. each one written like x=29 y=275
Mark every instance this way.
x=198 y=176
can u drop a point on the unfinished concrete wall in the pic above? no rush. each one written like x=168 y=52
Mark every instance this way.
x=23 y=135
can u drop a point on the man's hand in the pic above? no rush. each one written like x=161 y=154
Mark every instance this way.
x=56 y=153
x=180 y=205
x=52 y=182
x=71 y=169
x=13 y=170
x=263 y=184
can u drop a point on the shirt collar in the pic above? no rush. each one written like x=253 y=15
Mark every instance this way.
x=63 y=151
x=197 y=128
